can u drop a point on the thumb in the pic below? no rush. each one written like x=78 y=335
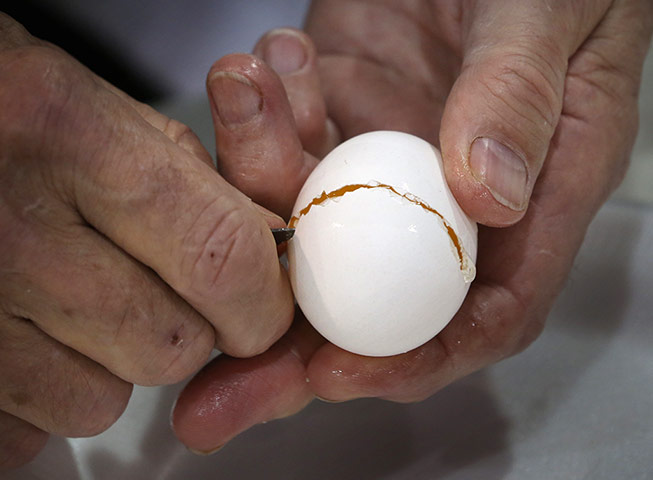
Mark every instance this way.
x=504 y=107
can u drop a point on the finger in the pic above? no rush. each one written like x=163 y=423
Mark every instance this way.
x=505 y=106
x=65 y=392
x=231 y=395
x=20 y=441
x=291 y=53
x=160 y=204
x=257 y=143
x=110 y=308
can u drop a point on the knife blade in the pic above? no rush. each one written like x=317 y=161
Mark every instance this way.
x=282 y=234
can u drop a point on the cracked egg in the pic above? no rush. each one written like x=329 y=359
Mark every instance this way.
x=382 y=255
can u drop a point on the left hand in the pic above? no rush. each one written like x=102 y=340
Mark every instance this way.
x=557 y=87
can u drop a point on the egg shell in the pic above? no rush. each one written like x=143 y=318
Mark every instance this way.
x=375 y=270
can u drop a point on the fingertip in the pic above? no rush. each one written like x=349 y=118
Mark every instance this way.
x=250 y=71
x=286 y=50
x=256 y=340
x=187 y=348
x=243 y=63
x=292 y=54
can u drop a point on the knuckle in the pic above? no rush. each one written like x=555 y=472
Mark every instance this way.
x=37 y=83
x=598 y=72
x=254 y=341
x=174 y=356
x=223 y=252
x=603 y=98
x=15 y=237
x=528 y=87
x=508 y=326
x=168 y=353
x=180 y=358
x=90 y=405
x=244 y=345
x=184 y=137
x=180 y=133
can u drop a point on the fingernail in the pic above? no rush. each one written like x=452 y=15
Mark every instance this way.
x=501 y=170
x=236 y=98
x=285 y=53
x=205 y=453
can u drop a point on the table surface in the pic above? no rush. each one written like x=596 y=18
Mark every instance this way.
x=577 y=404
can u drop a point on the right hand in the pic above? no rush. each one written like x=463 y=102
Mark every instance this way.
x=124 y=257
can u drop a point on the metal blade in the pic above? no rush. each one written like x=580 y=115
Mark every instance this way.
x=282 y=234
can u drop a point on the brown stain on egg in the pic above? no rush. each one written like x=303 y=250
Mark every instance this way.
x=342 y=191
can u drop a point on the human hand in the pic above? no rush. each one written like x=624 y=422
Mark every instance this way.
x=557 y=85
x=124 y=256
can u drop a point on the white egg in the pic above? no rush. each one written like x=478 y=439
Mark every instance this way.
x=382 y=255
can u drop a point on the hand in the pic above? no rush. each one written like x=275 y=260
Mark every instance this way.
x=124 y=256
x=535 y=111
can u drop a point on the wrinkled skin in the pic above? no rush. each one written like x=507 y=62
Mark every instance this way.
x=555 y=82
x=124 y=256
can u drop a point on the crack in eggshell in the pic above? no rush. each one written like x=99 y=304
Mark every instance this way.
x=466 y=265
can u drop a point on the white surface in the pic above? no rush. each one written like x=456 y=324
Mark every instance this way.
x=576 y=405
x=374 y=271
